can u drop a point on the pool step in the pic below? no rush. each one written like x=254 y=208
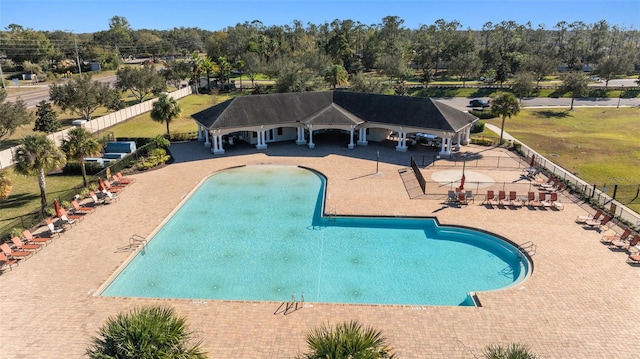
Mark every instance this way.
x=135 y=242
x=528 y=247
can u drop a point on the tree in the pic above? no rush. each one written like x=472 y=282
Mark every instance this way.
x=361 y=83
x=197 y=68
x=140 y=81
x=336 y=75
x=464 y=65
x=36 y=155
x=504 y=104
x=347 y=340
x=576 y=83
x=12 y=115
x=523 y=84
x=46 y=118
x=5 y=185
x=145 y=333
x=83 y=97
x=513 y=351
x=612 y=66
x=78 y=145
x=176 y=72
x=165 y=110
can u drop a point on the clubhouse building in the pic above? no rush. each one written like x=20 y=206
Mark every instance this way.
x=298 y=116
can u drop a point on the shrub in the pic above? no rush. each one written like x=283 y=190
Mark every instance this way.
x=156 y=157
x=482 y=114
x=16 y=232
x=482 y=141
x=478 y=127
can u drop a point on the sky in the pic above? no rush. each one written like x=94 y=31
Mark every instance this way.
x=87 y=16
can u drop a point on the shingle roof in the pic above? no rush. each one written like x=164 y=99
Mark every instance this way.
x=330 y=108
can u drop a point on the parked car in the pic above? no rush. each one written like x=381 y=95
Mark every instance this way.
x=479 y=103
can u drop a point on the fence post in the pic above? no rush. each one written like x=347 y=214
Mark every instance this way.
x=615 y=189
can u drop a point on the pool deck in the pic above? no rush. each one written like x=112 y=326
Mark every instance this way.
x=581 y=300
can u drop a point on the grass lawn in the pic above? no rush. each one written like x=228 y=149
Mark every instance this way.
x=25 y=195
x=600 y=145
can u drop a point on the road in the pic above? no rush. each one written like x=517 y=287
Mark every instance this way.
x=41 y=92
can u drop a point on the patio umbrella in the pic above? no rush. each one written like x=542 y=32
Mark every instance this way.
x=56 y=205
x=100 y=184
x=533 y=161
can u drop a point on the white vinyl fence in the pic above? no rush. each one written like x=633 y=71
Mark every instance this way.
x=100 y=123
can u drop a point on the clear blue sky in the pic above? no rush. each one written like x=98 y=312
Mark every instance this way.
x=81 y=16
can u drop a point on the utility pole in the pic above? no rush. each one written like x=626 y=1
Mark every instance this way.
x=77 y=57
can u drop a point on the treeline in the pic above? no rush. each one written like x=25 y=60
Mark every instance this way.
x=497 y=51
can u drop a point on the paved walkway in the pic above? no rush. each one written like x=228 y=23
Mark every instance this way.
x=580 y=301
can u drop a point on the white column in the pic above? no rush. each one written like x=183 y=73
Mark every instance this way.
x=458 y=141
x=443 y=147
x=351 y=144
x=362 y=137
x=402 y=142
x=261 y=143
x=467 y=136
x=200 y=130
x=300 y=140
x=311 y=144
x=206 y=139
x=218 y=149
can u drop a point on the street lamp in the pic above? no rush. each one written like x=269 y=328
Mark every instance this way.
x=619 y=97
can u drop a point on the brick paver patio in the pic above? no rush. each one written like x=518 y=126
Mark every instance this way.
x=579 y=302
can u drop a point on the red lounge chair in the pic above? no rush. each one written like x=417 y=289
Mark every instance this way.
x=594 y=223
x=634 y=259
x=622 y=245
x=77 y=208
x=607 y=239
x=74 y=217
x=11 y=254
x=555 y=202
x=531 y=200
x=33 y=239
x=124 y=180
x=462 y=198
x=4 y=261
x=514 y=200
x=542 y=197
x=490 y=199
x=25 y=246
x=111 y=187
x=502 y=198
x=583 y=219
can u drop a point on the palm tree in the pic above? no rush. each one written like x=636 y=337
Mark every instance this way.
x=165 y=110
x=336 y=75
x=145 y=333
x=347 y=340
x=196 y=62
x=513 y=351
x=504 y=104
x=35 y=156
x=78 y=145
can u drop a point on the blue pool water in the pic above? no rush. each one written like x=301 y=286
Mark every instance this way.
x=257 y=233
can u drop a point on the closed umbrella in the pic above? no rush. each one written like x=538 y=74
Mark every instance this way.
x=533 y=161
x=100 y=184
x=56 y=205
x=461 y=184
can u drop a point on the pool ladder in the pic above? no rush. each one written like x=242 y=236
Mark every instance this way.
x=291 y=306
x=529 y=247
x=135 y=242
x=331 y=215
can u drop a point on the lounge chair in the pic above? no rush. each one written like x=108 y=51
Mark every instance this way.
x=110 y=196
x=502 y=199
x=4 y=261
x=634 y=259
x=123 y=179
x=52 y=227
x=540 y=181
x=77 y=208
x=622 y=245
x=95 y=198
x=75 y=217
x=112 y=188
x=583 y=219
x=469 y=196
x=607 y=239
x=11 y=254
x=35 y=239
x=595 y=223
x=451 y=196
x=462 y=198
x=542 y=197
x=514 y=200
x=555 y=202
x=490 y=198
x=25 y=246
x=531 y=200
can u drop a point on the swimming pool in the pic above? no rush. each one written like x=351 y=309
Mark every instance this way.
x=257 y=233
